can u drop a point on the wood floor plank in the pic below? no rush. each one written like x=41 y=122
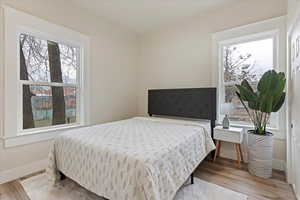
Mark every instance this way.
x=13 y=191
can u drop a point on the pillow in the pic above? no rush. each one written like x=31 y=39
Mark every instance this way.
x=184 y=121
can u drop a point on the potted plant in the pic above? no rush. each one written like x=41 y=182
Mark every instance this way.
x=259 y=104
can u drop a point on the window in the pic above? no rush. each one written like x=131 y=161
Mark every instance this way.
x=245 y=59
x=49 y=82
x=46 y=84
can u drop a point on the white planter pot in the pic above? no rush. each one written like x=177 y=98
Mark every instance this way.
x=260 y=154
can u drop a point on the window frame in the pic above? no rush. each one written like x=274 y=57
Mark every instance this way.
x=80 y=118
x=274 y=34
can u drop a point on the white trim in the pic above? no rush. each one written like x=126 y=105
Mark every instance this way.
x=295 y=191
x=48 y=129
x=279 y=165
x=46 y=36
x=290 y=142
x=250 y=37
x=25 y=82
x=18 y=172
x=77 y=85
x=2 y=68
x=251 y=27
x=278 y=134
x=273 y=34
x=15 y=22
x=289 y=162
x=36 y=136
x=269 y=26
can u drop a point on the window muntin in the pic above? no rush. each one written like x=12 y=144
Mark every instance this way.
x=245 y=60
x=49 y=81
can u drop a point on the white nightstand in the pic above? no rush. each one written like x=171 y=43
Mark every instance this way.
x=232 y=135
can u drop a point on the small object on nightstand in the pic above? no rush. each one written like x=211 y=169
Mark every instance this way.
x=225 y=110
x=232 y=135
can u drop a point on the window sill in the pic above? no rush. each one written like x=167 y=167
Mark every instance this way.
x=48 y=129
x=251 y=127
x=278 y=133
x=34 y=136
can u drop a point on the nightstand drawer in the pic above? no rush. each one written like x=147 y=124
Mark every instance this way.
x=228 y=136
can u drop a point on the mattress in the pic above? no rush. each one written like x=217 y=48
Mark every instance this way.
x=134 y=159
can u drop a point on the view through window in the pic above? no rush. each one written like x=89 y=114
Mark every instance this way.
x=248 y=60
x=48 y=75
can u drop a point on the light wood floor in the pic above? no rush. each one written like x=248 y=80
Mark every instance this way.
x=223 y=172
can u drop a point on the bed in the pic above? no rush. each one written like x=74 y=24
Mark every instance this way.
x=142 y=158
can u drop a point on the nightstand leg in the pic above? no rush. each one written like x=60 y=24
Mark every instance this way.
x=217 y=153
x=219 y=148
x=241 y=153
x=238 y=155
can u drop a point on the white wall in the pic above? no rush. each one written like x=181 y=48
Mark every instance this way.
x=112 y=72
x=292 y=10
x=179 y=56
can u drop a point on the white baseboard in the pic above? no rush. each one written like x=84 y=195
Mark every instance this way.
x=295 y=191
x=18 y=172
x=279 y=165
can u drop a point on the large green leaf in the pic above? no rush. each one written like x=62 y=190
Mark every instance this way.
x=265 y=103
x=271 y=85
x=281 y=76
x=246 y=84
x=278 y=104
x=263 y=83
x=243 y=103
x=279 y=88
x=246 y=94
x=267 y=82
x=254 y=105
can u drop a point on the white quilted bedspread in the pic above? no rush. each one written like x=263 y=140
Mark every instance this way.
x=134 y=159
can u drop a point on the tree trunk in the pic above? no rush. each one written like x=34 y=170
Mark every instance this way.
x=28 y=121
x=58 y=100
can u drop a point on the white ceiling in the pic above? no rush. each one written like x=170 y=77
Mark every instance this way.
x=144 y=15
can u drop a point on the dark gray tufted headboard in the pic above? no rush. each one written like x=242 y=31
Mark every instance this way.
x=197 y=103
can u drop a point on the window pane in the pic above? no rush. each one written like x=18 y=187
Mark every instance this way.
x=247 y=60
x=70 y=103
x=47 y=61
x=239 y=113
x=46 y=106
x=34 y=64
x=69 y=62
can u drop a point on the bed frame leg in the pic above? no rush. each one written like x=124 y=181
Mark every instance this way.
x=62 y=176
x=192 y=178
